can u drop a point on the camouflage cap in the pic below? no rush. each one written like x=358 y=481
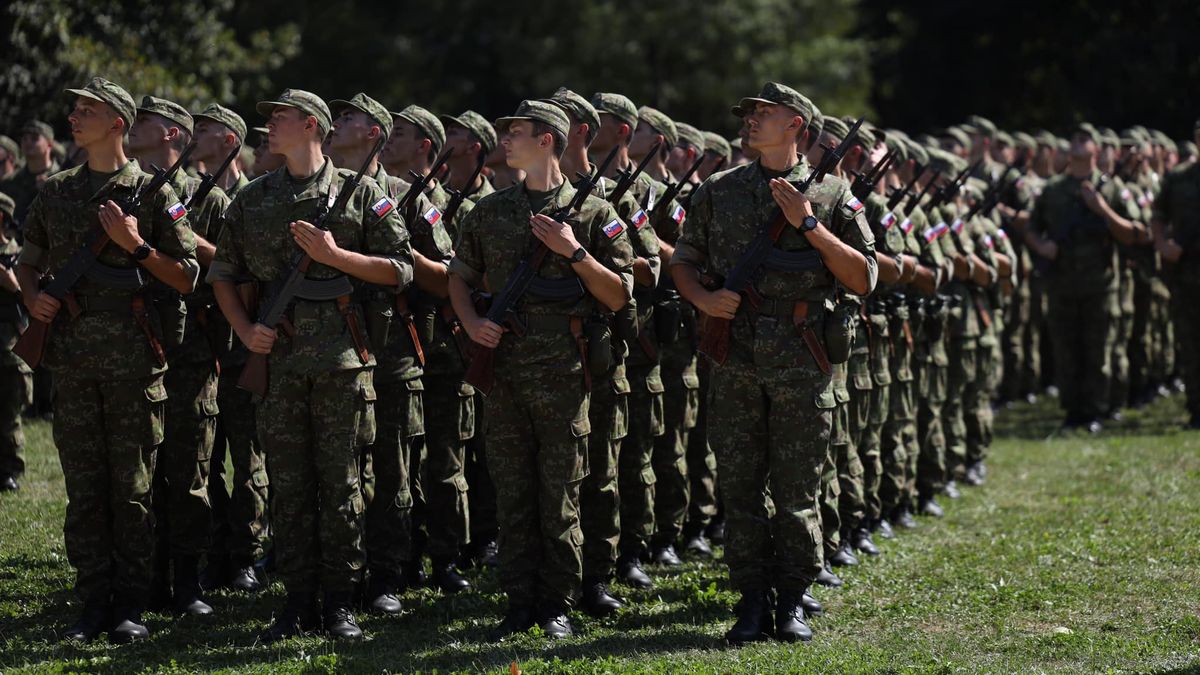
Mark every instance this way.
x=364 y=104
x=38 y=127
x=304 y=101
x=1045 y=138
x=773 y=92
x=1142 y=132
x=1005 y=138
x=1187 y=149
x=917 y=153
x=717 y=145
x=218 y=113
x=1087 y=129
x=898 y=147
x=1170 y=145
x=1064 y=145
x=957 y=135
x=10 y=146
x=977 y=124
x=578 y=108
x=545 y=112
x=8 y=207
x=112 y=94
x=618 y=106
x=476 y=124
x=1159 y=138
x=168 y=109
x=974 y=188
x=941 y=161
x=1024 y=140
x=427 y=122
x=1110 y=138
x=836 y=127
x=660 y=123
x=735 y=144
x=690 y=135
x=866 y=135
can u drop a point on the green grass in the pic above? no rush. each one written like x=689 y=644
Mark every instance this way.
x=1080 y=554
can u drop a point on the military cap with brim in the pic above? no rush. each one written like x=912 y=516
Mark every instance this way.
x=835 y=127
x=691 y=135
x=1005 y=138
x=1046 y=138
x=112 y=94
x=898 y=147
x=773 y=92
x=1087 y=129
x=977 y=124
x=717 y=145
x=1024 y=140
x=38 y=127
x=661 y=123
x=261 y=130
x=577 y=107
x=304 y=101
x=866 y=133
x=1187 y=148
x=364 y=104
x=817 y=123
x=917 y=153
x=539 y=111
x=218 y=113
x=618 y=106
x=171 y=110
x=8 y=207
x=1110 y=138
x=10 y=146
x=427 y=122
x=476 y=124
x=958 y=135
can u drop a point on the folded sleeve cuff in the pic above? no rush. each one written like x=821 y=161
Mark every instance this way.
x=686 y=254
x=466 y=273
x=223 y=271
x=33 y=255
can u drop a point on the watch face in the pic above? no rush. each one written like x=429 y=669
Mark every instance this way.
x=810 y=223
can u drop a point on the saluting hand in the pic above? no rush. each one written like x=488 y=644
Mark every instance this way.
x=558 y=237
x=795 y=205
x=121 y=227
x=317 y=243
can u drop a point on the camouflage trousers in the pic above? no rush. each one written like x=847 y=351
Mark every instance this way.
x=312 y=427
x=635 y=469
x=449 y=424
x=16 y=393
x=107 y=433
x=1119 y=357
x=481 y=491
x=770 y=417
x=929 y=475
x=537 y=457
x=1081 y=329
x=869 y=411
x=386 y=467
x=239 y=514
x=961 y=387
x=841 y=477
x=1185 y=296
x=599 y=503
x=181 y=506
x=669 y=460
x=898 y=449
x=1141 y=339
x=1016 y=382
x=701 y=462
x=977 y=407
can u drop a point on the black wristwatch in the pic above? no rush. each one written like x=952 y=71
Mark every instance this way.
x=808 y=224
x=142 y=252
x=579 y=254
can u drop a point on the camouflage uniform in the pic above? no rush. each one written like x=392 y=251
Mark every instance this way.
x=536 y=438
x=770 y=407
x=319 y=409
x=16 y=380
x=1176 y=207
x=108 y=411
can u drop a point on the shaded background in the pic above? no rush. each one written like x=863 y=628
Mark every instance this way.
x=911 y=64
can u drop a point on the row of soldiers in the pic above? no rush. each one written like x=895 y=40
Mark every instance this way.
x=824 y=325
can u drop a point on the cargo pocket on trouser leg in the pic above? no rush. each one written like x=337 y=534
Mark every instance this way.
x=364 y=423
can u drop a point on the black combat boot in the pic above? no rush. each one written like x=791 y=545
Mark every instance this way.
x=597 y=600
x=96 y=617
x=187 y=588
x=630 y=572
x=827 y=578
x=552 y=619
x=447 y=578
x=790 y=623
x=844 y=557
x=518 y=619
x=861 y=540
x=242 y=577
x=338 y=616
x=300 y=615
x=695 y=543
x=665 y=555
x=812 y=606
x=753 y=618
x=903 y=518
x=127 y=625
x=381 y=594
x=883 y=528
x=928 y=506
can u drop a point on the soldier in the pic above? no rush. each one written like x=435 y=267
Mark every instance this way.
x=16 y=380
x=319 y=408
x=110 y=394
x=769 y=414
x=1073 y=225
x=265 y=161
x=1177 y=239
x=37 y=146
x=537 y=436
x=416 y=140
x=10 y=158
x=468 y=135
x=239 y=515
x=182 y=511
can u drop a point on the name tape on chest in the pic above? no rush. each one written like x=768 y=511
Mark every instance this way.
x=613 y=228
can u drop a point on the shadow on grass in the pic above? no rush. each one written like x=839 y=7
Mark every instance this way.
x=1043 y=420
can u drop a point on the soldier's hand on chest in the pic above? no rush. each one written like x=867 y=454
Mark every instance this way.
x=317 y=243
x=793 y=202
x=558 y=237
x=121 y=227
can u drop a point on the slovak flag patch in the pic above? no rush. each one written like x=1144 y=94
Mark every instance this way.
x=639 y=218
x=932 y=233
x=678 y=215
x=1002 y=234
x=906 y=225
x=433 y=215
x=382 y=207
x=176 y=211
x=987 y=241
x=888 y=221
x=957 y=225
x=854 y=204
x=613 y=228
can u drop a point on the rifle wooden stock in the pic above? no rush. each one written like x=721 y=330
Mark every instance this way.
x=31 y=346
x=254 y=375
x=481 y=374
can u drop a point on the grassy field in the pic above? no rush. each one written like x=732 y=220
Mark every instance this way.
x=1081 y=554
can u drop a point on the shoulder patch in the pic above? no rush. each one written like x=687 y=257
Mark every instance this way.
x=613 y=228
x=888 y=220
x=957 y=225
x=853 y=204
x=176 y=211
x=987 y=241
x=639 y=219
x=678 y=214
x=932 y=233
x=433 y=215
x=906 y=225
x=382 y=207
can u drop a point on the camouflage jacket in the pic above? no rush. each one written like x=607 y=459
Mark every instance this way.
x=11 y=307
x=24 y=185
x=1178 y=207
